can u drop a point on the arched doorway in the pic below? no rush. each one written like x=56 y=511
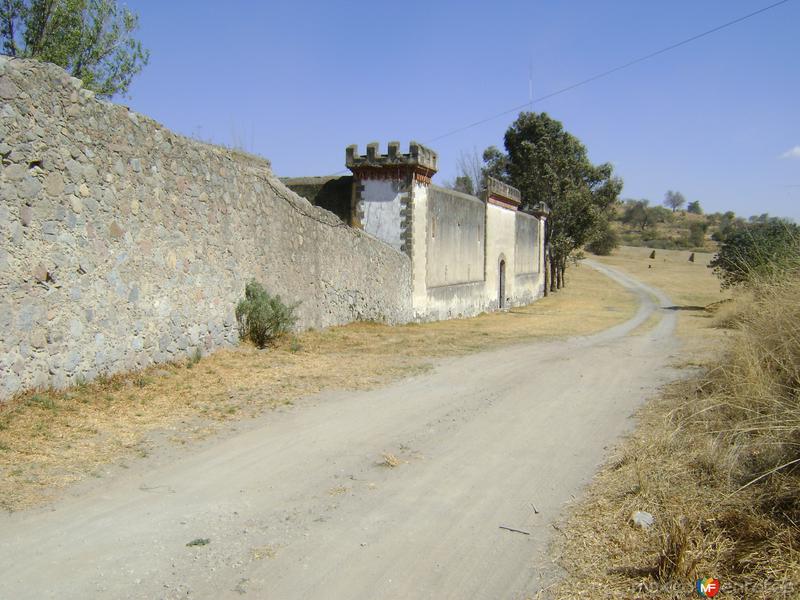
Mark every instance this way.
x=501 y=297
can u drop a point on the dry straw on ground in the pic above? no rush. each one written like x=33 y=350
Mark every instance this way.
x=50 y=439
x=717 y=461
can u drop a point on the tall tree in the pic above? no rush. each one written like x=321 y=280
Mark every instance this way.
x=496 y=164
x=637 y=213
x=548 y=164
x=674 y=200
x=91 y=39
x=694 y=207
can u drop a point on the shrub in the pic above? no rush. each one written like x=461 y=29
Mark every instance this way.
x=262 y=318
x=756 y=252
x=605 y=243
x=697 y=234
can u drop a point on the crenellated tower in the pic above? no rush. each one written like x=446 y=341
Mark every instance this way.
x=384 y=187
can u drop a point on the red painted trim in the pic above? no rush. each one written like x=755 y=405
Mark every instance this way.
x=504 y=202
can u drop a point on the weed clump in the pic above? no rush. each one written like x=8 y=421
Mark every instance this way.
x=263 y=318
x=194 y=358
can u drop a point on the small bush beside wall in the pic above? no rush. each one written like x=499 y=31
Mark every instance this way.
x=262 y=318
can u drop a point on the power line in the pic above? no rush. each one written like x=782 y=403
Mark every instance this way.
x=611 y=71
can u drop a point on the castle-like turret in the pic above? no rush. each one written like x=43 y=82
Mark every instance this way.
x=383 y=189
x=420 y=162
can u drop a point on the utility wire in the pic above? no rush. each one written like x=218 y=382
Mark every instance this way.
x=610 y=71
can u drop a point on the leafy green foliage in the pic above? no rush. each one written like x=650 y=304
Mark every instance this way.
x=91 y=39
x=697 y=234
x=694 y=207
x=262 y=318
x=548 y=164
x=606 y=240
x=640 y=214
x=496 y=164
x=758 y=251
x=726 y=223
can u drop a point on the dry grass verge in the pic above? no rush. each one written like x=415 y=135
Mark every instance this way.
x=717 y=461
x=50 y=439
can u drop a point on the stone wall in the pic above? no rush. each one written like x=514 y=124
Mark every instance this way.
x=331 y=193
x=123 y=244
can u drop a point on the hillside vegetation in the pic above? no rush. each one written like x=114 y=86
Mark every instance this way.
x=638 y=223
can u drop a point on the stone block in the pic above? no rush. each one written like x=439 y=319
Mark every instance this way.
x=15 y=172
x=25 y=215
x=115 y=231
x=54 y=184
x=8 y=89
x=50 y=230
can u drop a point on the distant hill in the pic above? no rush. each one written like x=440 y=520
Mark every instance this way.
x=638 y=223
x=667 y=230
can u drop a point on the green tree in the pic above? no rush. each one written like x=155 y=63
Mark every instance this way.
x=659 y=214
x=548 y=164
x=674 y=200
x=605 y=241
x=694 y=207
x=759 y=250
x=91 y=39
x=697 y=234
x=636 y=213
x=728 y=223
x=496 y=164
x=640 y=214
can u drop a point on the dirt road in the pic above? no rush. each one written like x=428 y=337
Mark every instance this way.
x=296 y=504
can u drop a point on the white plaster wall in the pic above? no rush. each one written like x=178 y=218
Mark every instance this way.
x=500 y=234
x=438 y=302
x=456 y=237
x=467 y=299
x=419 y=251
x=381 y=203
x=526 y=244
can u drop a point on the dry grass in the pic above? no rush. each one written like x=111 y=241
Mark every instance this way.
x=389 y=460
x=268 y=551
x=717 y=461
x=51 y=439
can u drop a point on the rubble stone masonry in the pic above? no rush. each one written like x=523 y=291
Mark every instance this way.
x=123 y=244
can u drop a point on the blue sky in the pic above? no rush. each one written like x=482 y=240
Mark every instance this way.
x=297 y=82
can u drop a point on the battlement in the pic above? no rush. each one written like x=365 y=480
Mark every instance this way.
x=502 y=194
x=419 y=158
